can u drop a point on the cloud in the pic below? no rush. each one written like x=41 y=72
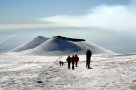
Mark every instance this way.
x=117 y=17
x=111 y=17
x=27 y=26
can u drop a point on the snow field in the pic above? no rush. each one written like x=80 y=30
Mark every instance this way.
x=109 y=72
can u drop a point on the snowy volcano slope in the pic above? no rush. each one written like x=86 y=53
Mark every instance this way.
x=30 y=45
x=116 y=72
x=62 y=46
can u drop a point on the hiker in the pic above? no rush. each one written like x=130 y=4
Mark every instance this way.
x=62 y=63
x=69 y=61
x=76 y=60
x=73 y=62
x=88 y=58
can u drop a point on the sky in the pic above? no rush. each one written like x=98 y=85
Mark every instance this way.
x=108 y=23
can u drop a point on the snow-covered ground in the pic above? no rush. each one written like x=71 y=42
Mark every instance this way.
x=117 y=72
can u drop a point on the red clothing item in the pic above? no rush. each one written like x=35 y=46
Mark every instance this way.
x=73 y=59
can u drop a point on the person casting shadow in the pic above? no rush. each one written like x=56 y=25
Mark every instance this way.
x=76 y=60
x=60 y=63
x=69 y=61
x=73 y=62
x=88 y=59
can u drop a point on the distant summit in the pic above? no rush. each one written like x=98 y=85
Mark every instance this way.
x=30 y=45
x=70 y=39
x=59 y=45
x=40 y=37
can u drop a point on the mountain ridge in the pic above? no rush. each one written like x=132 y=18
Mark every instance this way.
x=59 y=45
x=30 y=45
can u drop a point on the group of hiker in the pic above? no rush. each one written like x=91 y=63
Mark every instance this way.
x=75 y=59
x=61 y=63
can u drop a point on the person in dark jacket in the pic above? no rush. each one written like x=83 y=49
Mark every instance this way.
x=69 y=61
x=60 y=63
x=88 y=58
x=76 y=60
x=73 y=62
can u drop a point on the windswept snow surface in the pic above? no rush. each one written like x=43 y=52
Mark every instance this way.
x=59 y=46
x=30 y=45
x=109 y=72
